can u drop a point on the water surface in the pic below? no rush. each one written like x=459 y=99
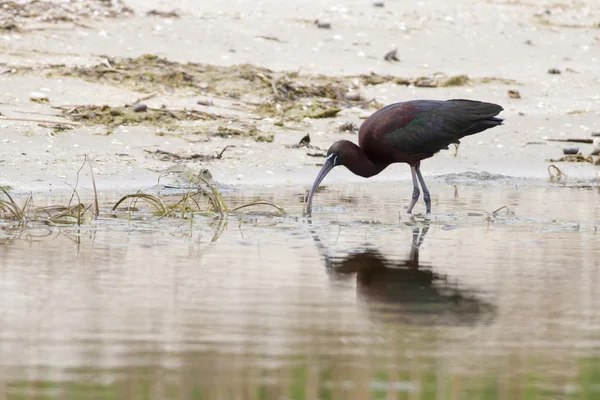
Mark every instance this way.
x=360 y=302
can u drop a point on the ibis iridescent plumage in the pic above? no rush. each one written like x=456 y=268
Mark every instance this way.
x=408 y=132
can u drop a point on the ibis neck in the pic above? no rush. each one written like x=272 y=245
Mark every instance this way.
x=358 y=163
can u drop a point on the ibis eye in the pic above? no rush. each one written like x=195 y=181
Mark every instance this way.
x=334 y=158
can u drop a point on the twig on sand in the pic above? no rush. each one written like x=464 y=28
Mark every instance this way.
x=195 y=156
x=500 y=209
x=572 y=140
x=42 y=121
x=147 y=97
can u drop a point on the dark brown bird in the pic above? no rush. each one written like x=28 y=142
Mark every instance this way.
x=408 y=132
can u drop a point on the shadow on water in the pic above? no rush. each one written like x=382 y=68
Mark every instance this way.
x=406 y=290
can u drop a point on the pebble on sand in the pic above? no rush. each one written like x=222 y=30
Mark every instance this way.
x=323 y=24
x=39 y=97
x=514 y=94
x=140 y=108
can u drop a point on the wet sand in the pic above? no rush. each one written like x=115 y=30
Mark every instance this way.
x=517 y=41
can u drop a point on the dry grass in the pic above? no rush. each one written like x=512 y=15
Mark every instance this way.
x=202 y=198
x=11 y=211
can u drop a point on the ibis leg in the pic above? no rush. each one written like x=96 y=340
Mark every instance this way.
x=416 y=192
x=418 y=238
x=426 y=195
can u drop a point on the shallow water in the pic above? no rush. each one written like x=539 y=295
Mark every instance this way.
x=361 y=302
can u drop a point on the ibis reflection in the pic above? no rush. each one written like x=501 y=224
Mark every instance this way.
x=403 y=289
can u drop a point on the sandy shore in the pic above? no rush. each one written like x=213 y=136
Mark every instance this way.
x=515 y=42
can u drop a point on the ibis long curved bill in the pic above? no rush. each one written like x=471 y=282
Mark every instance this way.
x=327 y=166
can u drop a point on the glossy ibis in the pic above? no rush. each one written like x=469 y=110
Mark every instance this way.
x=408 y=132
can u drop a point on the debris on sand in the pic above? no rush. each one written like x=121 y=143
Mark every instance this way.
x=305 y=143
x=577 y=158
x=284 y=96
x=116 y=116
x=8 y=27
x=271 y=38
x=458 y=80
x=229 y=131
x=348 y=127
x=326 y=113
x=514 y=94
x=163 y=14
x=436 y=80
x=554 y=71
x=15 y=14
x=391 y=56
x=149 y=73
x=202 y=123
x=572 y=140
x=323 y=24
x=49 y=122
x=168 y=156
x=206 y=103
x=559 y=15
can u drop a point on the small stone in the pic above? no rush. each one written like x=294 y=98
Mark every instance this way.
x=204 y=102
x=573 y=150
x=323 y=24
x=39 y=97
x=514 y=94
x=378 y=3
x=353 y=96
x=391 y=56
x=140 y=108
x=554 y=71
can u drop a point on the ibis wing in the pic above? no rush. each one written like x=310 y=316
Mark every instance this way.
x=432 y=126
